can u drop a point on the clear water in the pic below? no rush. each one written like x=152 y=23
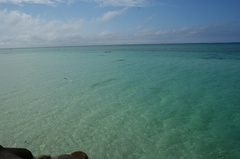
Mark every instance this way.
x=123 y=102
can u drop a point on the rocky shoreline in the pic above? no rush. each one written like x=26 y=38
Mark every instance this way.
x=23 y=153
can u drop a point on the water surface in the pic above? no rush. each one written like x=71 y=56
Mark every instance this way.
x=133 y=101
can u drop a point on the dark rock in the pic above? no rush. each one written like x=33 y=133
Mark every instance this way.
x=64 y=157
x=22 y=153
x=44 y=157
x=79 y=155
x=15 y=153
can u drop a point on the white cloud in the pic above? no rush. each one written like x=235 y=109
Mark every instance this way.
x=71 y=2
x=111 y=14
x=227 y=32
x=21 y=2
x=19 y=29
x=121 y=3
x=116 y=3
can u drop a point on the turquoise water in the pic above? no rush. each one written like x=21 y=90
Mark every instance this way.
x=131 y=102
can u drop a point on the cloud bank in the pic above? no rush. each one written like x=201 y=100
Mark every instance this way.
x=19 y=29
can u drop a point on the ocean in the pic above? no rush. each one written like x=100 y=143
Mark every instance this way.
x=169 y=101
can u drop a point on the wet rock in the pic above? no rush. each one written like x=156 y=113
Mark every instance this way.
x=44 y=157
x=15 y=153
x=74 y=155
x=79 y=155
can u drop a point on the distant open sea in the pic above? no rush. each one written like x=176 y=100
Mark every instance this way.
x=176 y=101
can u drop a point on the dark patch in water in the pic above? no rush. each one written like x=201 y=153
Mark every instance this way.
x=121 y=60
x=222 y=155
x=104 y=83
x=214 y=57
x=108 y=51
x=156 y=89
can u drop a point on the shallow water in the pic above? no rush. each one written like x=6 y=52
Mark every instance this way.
x=139 y=101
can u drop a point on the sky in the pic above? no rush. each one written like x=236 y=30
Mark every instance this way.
x=50 y=23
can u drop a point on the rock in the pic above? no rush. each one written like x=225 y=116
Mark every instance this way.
x=15 y=153
x=74 y=155
x=79 y=155
x=64 y=157
x=22 y=153
x=44 y=157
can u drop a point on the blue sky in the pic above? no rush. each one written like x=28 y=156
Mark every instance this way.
x=39 y=23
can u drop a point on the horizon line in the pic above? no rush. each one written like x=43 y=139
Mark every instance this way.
x=95 y=45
